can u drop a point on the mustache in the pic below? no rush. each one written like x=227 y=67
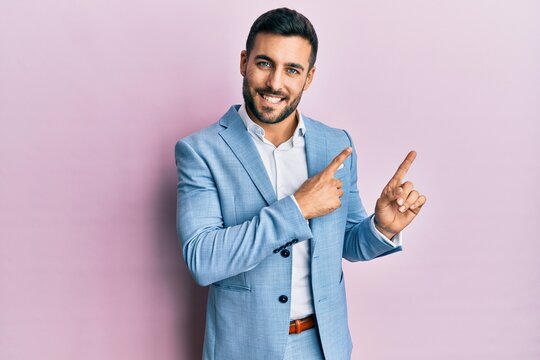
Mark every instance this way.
x=270 y=92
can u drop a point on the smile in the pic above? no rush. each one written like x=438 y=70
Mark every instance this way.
x=271 y=99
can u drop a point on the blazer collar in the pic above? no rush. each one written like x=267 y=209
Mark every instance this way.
x=239 y=140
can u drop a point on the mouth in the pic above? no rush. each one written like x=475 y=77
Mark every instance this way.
x=271 y=100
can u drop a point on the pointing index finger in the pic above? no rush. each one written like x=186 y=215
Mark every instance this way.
x=404 y=167
x=338 y=160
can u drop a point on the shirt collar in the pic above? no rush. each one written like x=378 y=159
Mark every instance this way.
x=258 y=131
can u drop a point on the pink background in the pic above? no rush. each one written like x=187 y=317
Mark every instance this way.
x=94 y=95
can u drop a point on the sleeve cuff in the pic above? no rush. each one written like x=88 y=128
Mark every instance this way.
x=394 y=242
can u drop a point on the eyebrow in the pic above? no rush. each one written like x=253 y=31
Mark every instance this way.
x=268 y=58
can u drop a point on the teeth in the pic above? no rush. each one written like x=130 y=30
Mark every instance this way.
x=271 y=99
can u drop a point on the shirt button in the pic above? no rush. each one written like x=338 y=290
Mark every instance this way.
x=283 y=299
x=285 y=253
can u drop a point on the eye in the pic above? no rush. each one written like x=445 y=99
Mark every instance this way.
x=264 y=64
x=293 y=71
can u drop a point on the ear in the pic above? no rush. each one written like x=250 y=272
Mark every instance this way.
x=309 y=78
x=243 y=62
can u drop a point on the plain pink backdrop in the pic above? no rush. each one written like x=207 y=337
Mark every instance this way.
x=94 y=95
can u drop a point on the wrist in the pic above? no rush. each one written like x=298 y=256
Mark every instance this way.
x=298 y=200
x=384 y=230
x=293 y=197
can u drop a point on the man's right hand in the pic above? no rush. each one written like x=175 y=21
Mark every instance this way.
x=320 y=194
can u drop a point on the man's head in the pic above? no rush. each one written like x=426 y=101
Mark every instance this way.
x=284 y=22
x=278 y=64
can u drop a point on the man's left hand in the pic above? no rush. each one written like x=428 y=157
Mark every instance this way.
x=399 y=203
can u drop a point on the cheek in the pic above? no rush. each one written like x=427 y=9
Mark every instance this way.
x=295 y=86
x=255 y=78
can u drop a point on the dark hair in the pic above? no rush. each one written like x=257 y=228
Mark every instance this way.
x=287 y=22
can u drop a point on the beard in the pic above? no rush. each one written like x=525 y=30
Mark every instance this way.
x=264 y=114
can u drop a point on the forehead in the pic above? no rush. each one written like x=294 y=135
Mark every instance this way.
x=282 y=49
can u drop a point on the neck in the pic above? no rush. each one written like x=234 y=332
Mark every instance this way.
x=278 y=133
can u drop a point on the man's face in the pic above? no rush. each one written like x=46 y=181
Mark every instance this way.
x=275 y=75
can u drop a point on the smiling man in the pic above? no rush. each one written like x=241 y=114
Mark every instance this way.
x=268 y=207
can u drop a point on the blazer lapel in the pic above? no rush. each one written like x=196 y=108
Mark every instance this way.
x=316 y=155
x=241 y=144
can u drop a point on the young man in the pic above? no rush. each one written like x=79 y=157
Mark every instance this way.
x=268 y=207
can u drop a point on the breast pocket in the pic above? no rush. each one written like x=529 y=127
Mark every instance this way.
x=342 y=174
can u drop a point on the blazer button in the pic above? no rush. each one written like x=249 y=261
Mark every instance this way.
x=283 y=299
x=285 y=253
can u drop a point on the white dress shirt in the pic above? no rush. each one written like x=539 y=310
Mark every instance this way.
x=286 y=166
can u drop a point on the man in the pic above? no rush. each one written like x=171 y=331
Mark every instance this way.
x=268 y=206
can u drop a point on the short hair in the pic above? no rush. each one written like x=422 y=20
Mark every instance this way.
x=287 y=22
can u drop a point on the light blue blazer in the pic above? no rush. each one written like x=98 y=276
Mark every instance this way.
x=232 y=228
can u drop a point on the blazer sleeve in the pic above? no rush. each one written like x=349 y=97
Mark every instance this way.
x=362 y=241
x=213 y=252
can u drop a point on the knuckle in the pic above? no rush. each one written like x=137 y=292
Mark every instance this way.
x=412 y=199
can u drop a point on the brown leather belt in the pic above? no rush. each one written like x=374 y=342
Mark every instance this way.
x=297 y=326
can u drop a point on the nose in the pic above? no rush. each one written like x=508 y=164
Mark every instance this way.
x=274 y=80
